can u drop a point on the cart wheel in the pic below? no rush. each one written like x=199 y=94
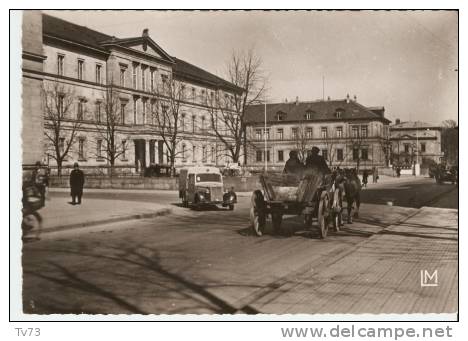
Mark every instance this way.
x=257 y=213
x=322 y=216
x=277 y=219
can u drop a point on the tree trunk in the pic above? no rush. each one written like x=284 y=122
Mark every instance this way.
x=59 y=168
x=244 y=144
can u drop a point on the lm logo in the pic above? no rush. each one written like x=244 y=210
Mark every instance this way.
x=429 y=280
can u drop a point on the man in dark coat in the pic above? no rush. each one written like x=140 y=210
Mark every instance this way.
x=314 y=160
x=293 y=165
x=76 y=184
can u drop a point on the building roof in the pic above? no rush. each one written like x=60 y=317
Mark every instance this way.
x=63 y=29
x=186 y=70
x=66 y=30
x=320 y=110
x=414 y=125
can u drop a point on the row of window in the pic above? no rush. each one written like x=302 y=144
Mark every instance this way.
x=361 y=154
x=140 y=81
x=99 y=148
x=204 y=149
x=204 y=122
x=80 y=70
x=309 y=115
x=298 y=133
x=409 y=146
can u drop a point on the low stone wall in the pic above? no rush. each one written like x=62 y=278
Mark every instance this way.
x=240 y=184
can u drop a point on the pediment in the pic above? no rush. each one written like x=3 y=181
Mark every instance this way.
x=143 y=45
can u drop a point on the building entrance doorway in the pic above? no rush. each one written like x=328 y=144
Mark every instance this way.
x=140 y=152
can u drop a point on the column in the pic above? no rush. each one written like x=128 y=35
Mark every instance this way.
x=147 y=152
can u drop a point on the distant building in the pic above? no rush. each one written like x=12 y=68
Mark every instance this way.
x=347 y=133
x=85 y=63
x=415 y=142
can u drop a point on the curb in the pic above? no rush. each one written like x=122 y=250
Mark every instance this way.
x=159 y=213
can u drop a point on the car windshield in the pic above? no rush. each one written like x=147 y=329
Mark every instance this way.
x=208 y=177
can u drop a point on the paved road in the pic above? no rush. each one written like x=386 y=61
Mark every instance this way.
x=405 y=193
x=189 y=262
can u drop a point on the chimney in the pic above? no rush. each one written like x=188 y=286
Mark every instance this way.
x=145 y=33
x=397 y=121
x=285 y=100
x=297 y=100
x=347 y=98
x=355 y=98
x=328 y=98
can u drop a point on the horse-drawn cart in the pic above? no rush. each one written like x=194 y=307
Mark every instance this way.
x=288 y=194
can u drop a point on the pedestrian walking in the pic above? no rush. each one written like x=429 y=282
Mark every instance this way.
x=398 y=171
x=365 y=176
x=375 y=175
x=76 y=184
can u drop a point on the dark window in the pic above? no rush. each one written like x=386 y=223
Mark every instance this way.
x=80 y=115
x=60 y=59
x=122 y=76
x=325 y=154
x=268 y=156
x=259 y=155
x=280 y=134
x=81 y=148
x=339 y=154
x=208 y=177
x=280 y=156
x=364 y=131
x=423 y=147
x=364 y=154
x=124 y=149
x=98 y=73
x=339 y=132
x=324 y=133
x=407 y=148
x=98 y=112
x=80 y=69
x=122 y=113
x=99 y=148
x=355 y=154
x=61 y=144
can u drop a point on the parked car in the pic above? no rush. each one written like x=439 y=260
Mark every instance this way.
x=443 y=174
x=203 y=186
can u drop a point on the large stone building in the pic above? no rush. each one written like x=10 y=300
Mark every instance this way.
x=347 y=133
x=415 y=142
x=32 y=66
x=86 y=75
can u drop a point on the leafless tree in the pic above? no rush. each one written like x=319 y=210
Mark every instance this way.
x=357 y=140
x=302 y=142
x=331 y=150
x=60 y=127
x=166 y=114
x=111 y=146
x=228 y=114
x=449 y=143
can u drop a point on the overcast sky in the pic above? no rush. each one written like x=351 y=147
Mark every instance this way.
x=404 y=61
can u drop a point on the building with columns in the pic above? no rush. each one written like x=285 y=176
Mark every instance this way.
x=347 y=133
x=83 y=64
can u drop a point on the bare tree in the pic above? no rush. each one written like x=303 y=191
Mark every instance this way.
x=449 y=141
x=302 y=142
x=166 y=114
x=357 y=140
x=60 y=127
x=244 y=70
x=331 y=150
x=107 y=126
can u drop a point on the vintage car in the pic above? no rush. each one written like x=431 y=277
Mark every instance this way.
x=443 y=173
x=203 y=186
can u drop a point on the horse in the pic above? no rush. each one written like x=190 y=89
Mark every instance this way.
x=352 y=186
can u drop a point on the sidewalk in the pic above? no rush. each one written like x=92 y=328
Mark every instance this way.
x=60 y=214
x=382 y=275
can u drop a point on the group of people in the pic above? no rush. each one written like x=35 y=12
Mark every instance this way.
x=40 y=181
x=313 y=161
